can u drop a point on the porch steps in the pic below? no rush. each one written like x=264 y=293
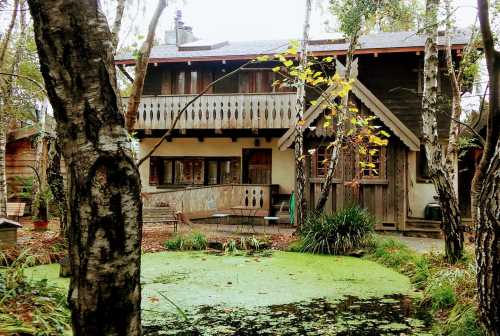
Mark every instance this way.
x=423 y=228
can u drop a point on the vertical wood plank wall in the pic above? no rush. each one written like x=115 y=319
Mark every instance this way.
x=384 y=198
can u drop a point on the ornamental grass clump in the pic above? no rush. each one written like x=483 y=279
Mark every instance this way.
x=338 y=233
x=30 y=307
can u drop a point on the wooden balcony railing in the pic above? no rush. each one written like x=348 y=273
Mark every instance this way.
x=218 y=111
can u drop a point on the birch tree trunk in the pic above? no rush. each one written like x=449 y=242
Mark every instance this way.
x=300 y=162
x=439 y=173
x=3 y=177
x=6 y=99
x=76 y=59
x=488 y=223
x=340 y=130
x=55 y=181
x=117 y=23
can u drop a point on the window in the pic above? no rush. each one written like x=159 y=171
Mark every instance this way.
x=193 y=87
x=179 y=83
x=194 y=171
x=372 y=163
x=320 y=161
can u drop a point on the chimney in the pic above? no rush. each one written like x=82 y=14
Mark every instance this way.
x=180 y=34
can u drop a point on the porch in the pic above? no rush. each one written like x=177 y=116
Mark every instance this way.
x=204 y=201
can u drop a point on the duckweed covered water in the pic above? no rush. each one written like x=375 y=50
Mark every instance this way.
x=194 y=293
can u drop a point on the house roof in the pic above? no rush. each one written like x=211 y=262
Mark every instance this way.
x=372 y=43
x=369 y=100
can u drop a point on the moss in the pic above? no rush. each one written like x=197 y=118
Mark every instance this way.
x=249 y=282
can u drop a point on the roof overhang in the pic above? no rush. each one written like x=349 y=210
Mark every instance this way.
x=372 y=103
x=374 y=51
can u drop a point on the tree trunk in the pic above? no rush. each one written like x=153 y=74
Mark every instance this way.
x=439 y=172
x=55 y=181
x=117 y=23
x=339 y=136
x=140 y=68
x=6 y=38
x=3 y=177
x=488 y=182
x=300 y=162
x=105 y=208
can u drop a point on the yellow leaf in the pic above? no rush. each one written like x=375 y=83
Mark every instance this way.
x=328 y=59
x=263 y=58
x=288 y=63
x=276 y=69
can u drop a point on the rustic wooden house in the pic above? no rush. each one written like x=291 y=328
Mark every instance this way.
x=233 y=146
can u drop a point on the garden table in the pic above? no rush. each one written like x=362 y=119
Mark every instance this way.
x=247 y=215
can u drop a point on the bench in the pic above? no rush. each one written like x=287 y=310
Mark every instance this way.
x=15 y=210
x=160 y=215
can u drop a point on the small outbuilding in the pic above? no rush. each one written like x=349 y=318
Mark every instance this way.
x=8 y=232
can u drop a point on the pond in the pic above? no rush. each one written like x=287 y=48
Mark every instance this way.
x=194 y=293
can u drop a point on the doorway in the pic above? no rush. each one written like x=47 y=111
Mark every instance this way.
x=257 y=165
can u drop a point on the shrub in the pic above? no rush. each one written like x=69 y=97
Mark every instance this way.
x=30 y=307
x=338 y=233
x=231 y=246
x=198 y=241
x=195 y=241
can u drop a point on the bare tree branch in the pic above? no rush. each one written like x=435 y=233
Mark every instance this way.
x=141 y=67
x=115 y=31
x=38 y=84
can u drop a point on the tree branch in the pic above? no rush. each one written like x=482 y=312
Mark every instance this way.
x=115 y=31
x=125 y=73
x=141 y=67
x=40 y=86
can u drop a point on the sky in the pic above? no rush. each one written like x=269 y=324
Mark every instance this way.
x=235 y=20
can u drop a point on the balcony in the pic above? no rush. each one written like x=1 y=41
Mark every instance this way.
x=218 y=111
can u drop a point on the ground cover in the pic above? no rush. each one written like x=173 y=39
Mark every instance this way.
x=190 y=293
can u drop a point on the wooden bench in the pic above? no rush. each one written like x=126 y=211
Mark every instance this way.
x=160 y=215
x=15 y=210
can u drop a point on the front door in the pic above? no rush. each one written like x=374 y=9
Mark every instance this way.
x=257 y=163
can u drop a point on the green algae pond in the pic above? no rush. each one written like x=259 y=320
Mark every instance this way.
x=195 y=293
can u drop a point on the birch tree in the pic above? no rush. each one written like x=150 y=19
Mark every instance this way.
x=76 y=59
x=440 y=172
x=488 y=182
x=300 y=105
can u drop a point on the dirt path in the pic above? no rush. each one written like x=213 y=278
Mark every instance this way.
x=420 y=245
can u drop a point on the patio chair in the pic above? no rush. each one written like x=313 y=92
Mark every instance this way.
x=218 y=216
x=276 y=219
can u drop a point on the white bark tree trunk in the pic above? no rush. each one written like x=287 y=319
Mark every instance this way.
x=300 y=162
x=105 y=208
x=439 y=171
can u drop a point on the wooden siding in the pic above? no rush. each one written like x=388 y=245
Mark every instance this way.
x=218 y=111
x=394 y=79
x=20 y=156
x=384 y=197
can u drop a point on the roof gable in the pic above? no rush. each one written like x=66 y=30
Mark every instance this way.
x=372 y=103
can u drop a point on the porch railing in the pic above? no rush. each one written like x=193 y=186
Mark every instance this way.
x=202 y=202
x=218 y=111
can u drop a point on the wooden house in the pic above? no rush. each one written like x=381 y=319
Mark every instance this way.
x=233 y=146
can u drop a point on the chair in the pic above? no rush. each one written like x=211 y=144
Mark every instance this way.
x=269 y=219
x=160 y=215
x=218 y=216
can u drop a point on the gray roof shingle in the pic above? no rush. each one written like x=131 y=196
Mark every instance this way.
x=385 y=40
